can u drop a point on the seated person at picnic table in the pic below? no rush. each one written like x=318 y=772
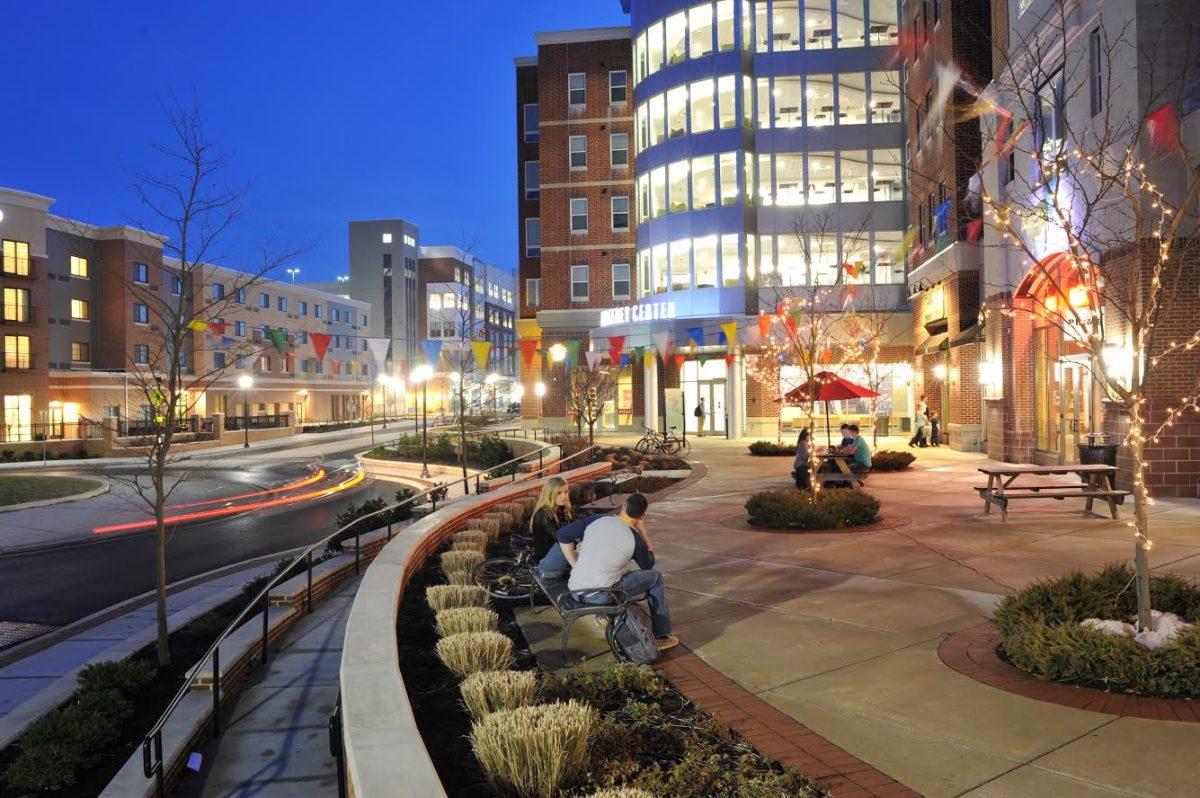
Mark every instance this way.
x=847 y=438
x=614 y=551
x=859 y=451
x=803 y=461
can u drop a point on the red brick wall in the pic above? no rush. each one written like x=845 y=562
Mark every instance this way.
x=527 y=92
x=35 y=380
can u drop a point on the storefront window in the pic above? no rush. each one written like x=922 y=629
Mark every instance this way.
x=886 y=177
x=818 y=25
x=819 y=95
x=658 y=191
x=852 y=98
x=853 y=178
x=786 y=33
x=823 y=256
x=730 y=265
x=677 y=99
x=677 y=179
x=700 y=30
x=850 y=23
x=702 y=105
x=885 y=96
x=789 y=175
x=822 y=179
x=787 y=103
x=681 y=261
x=704 y=182
x=727 y=101
x=729 y=186
x=706 y=261
x=659 y=255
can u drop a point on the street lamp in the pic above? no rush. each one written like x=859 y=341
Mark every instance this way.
x=293 y=272
x=384 y=382
x=422 y=375
x=558 y=353
x=244 y=382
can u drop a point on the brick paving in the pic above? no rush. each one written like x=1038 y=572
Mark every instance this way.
x=773 y=733
x=972 y=652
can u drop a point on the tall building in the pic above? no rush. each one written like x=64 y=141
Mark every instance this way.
x=383 y=273
x=463 y=298
x=766 y=155
x=78 y=319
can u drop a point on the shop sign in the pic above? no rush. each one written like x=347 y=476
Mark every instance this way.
x=629 y=314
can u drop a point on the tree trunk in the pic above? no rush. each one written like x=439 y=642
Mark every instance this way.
x=163 y=646
x=462 y=425
x=1141 y=520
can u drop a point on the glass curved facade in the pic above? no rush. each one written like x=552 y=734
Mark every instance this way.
x=769 y=146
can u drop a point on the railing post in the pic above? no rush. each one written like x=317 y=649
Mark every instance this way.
x=308 y=595
x=266 y=604
x=357 y=551
x=389 y=530
x=217 y=691
x=160 y=775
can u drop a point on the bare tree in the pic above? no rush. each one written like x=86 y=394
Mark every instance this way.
x=873 y=325
x=1101 y=210
x=590 y=390
x=190 y=201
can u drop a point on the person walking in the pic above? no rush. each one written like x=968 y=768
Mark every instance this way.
x=700 y=412
x=920 y=421
x=802 y=464
x=935 y=429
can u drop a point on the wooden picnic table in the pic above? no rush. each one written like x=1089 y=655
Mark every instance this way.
x=1095 y=482
x=841 y=471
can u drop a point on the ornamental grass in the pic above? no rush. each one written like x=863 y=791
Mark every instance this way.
x=459 y=576
x=622 y=792
x=466 y=619
x=487 y=524
x=460 y=560
x=535 y=751
x=472 y=652
x=445 y=597
x=498 y=691
x=470 y=540
x=515 y=512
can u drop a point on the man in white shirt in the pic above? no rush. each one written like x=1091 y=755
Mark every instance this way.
x=615 y=552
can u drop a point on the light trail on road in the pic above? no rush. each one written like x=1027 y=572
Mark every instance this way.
x=218 y=512
x=303 y=483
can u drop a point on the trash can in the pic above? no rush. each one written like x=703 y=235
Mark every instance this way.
x=1096 y=453
x=883 y=425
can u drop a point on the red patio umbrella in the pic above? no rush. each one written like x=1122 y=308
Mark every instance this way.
x=827 y=387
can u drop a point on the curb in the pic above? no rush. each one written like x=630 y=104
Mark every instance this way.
x=105 y=486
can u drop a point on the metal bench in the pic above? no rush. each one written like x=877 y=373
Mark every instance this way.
x=573 y=604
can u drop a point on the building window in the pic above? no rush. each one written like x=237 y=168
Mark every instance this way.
x=1096 y=71
x=730 y=261
x=141 y=314
x=318 y=311
x=579 y=283
x=533 y=292
x=700 y=30
x=727 y=101
x=80 y=309
x=264 y=301
x=1051 y=101
x=18 y=417
x=704 y=183
x=16 y=304
x=81 y=352
x=618 y=86
x=620 y=214
x=579 y=215
x=335 y=314
x=533 y=238
x=281 y=304
x=621 y=288
x=264 y=363
x=578 y=152
x=79 y=266
x=703 y=94
x=218 y=291
x=577 y=88
x=141 y=273
x=618 y=149
x=386 y=238
x=532 y=120
x=16 y=258
x=176 y=286
x=16 y=351
x=533 y=179
x=218 y=360
x=239 y=329
x=239 y=296
x=303 y=308
x=141 y=354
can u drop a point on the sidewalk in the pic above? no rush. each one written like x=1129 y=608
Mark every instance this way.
x=37 y=683
x=840 y=631
x=275 y=740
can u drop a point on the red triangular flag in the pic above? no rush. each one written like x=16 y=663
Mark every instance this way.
x=320 y=343
x=218 y=328
x=729 y=356
x=1163 y=126
x=764 y=326
x=528 y=350
x=974 y=230
x=790 y=321
x=615 y=344
x=680 y=360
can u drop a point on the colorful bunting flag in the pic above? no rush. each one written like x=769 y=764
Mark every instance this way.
x=729 y=357
x=217 y=328
x=593 y=358
x=764 y=327
x=695 y=335
x=1163 y=126
x=615 y=344
x=528 y=350
x=572 y=358
x=790 y=321
x=320 y=343
x=624 y=359
x=379 y=350
x=663 y=343
x=279 y=338
x=433 y=351
x=481 y=349
x=730 y=330
x=679 y=361
x=197 y=325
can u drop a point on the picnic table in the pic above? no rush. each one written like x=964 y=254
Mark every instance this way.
x=839 y=470
x=1095 y=482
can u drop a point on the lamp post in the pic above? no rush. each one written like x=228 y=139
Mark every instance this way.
x=422 y=374
x=293 y=272
x=539 y=390
x=385 y=381
x=244 y=382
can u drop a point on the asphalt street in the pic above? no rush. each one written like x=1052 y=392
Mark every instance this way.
x=61 y=585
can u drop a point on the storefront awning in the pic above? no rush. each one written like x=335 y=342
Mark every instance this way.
x=971 y=335
x=932 y=344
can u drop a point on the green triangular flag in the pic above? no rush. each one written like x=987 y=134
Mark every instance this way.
x=279 y=338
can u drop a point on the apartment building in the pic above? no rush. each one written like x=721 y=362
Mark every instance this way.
x=463 y=298
x=383 y=273
x=79 y=317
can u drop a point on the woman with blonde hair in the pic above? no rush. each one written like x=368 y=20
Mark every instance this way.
x=553 y=509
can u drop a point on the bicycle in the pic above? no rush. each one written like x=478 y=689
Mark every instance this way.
x=654 y=442
x=509 y=578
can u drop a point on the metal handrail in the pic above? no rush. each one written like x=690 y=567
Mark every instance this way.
x=540 y=451
x=558 y=463
x=152 y=747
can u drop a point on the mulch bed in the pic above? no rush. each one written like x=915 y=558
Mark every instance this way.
x=974 y=652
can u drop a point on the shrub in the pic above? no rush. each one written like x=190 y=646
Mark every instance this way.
x=472 y=652
x=371 y=507
x=446 y=597
x=460 y=560
x=470 y=540
x=534 y=751
x=832 y=508
x=497 y=691
x=466 y=619
x=1041 y=634
x=487 y=524
x=127 y=675
x=770 y=449
x=459 y=576
x=887 y=460
x=622 y=792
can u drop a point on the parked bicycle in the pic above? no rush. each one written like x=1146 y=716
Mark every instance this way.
x=509 y=578
x=654 y=442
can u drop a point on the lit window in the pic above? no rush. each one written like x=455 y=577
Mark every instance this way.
x=677 y=102
x=16 y=351
x=704 y=182
x=18 y=417
x=885 y=97
x=883 y=29
x=618 y=149
x=700 y=30
x=730 y=265
x=644 y=272
x=677 y=178
x=387 y=238
x=764 y=102
x=729 y=180
x=766 y=193
x=852 y=99
x=654 y=48
x=79 y=266
x=533 y=238
x=658 y=191
x=533 y=179
x=676 y=28
x=435 y=301
x=618 y=86
x=533 y=292
x=850 y=24
x=81 y=352
x=818 y=25
x=727 y=101
x=818 y=95
x=822 y=179
x=532 y=120
x=724 y=25
x=579 y=283
x=789 y=260
x=659 y=269
x=702 y=99
x=577 y=88
x=621 y=288
x=579 y=215
x=853 y=176
x=705 y=255
x=762 y=30
x=681 y=262
x=657 y=117
x=789 y=178
x=885 y=256
x=80 y=309
x=620 y=214
x=788 y=109
x=578 y=152
x=16 y=258
x=785 y=29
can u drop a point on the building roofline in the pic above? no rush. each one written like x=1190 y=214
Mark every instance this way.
x=525 y=61
x=582 y=35
x=25 y=199
x=174 y=262
x=109 y=233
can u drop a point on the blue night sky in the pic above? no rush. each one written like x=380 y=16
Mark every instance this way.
x=375 y=110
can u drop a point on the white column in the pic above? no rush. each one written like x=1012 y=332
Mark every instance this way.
x=650 y=391
x=735 y=398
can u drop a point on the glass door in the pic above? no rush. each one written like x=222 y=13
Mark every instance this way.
x=1075 y=398
x=716 y=418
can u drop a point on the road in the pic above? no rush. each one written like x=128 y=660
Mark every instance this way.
x=61 y=585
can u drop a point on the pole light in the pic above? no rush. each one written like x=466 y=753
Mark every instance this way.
x=422 y=375
x=244 y=382
x=293 y=272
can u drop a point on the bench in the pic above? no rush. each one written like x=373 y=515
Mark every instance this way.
x=573 y=605
x=1057 y=492
x=1096 y=481
x=856 y=480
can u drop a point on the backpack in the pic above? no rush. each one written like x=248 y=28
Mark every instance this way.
x=629 y=638
x=699 y=411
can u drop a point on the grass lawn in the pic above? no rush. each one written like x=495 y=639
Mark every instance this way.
x=19 y=489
